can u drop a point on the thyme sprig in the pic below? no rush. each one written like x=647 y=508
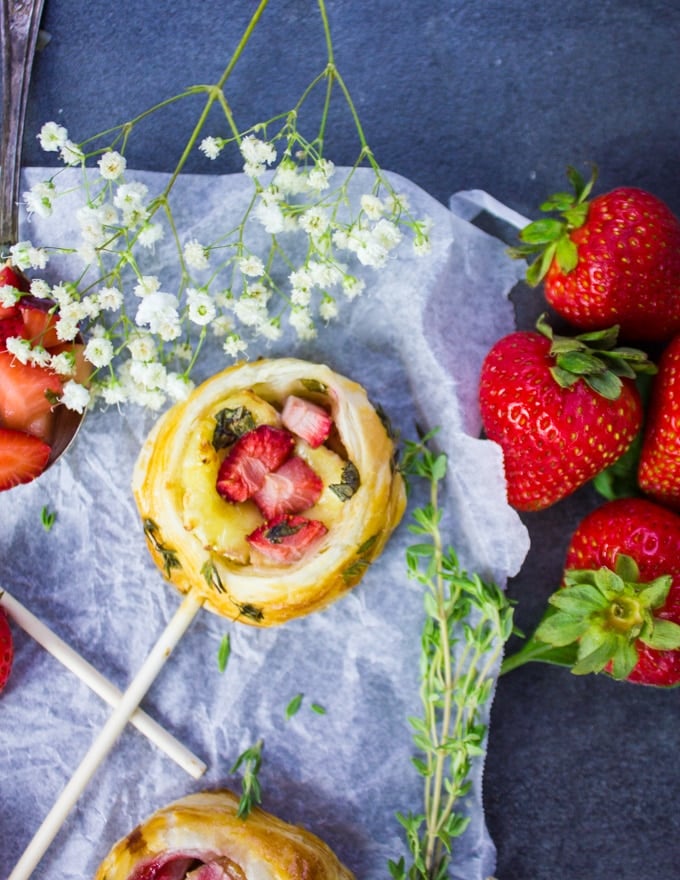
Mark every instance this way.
x=250 y=760
x=466 y=625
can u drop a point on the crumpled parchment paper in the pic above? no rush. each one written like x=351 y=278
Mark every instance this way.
x=415 y=340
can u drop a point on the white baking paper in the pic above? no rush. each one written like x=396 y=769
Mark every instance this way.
x=415 y=340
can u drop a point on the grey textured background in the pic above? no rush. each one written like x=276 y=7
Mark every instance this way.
x=582 y=775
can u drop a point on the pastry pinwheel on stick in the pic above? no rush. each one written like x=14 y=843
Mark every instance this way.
x=264 y=496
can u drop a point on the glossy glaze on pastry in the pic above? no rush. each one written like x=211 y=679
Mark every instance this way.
x=207 y=544
x=201 y=837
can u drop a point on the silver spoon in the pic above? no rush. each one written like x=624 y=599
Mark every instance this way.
x=19 y=27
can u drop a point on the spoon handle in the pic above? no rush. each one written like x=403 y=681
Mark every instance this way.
x=19 y=24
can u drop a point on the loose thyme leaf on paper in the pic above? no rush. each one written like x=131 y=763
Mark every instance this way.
x=467 y=624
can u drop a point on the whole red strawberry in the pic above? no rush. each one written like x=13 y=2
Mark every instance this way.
x=659 y=462
x=620 y=603
x=561 y=409
x=6 y=649
x=614 y=260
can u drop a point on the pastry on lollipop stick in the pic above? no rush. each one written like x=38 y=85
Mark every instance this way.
x=269 y=490
x=202 y=836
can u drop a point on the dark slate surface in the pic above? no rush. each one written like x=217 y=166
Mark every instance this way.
x=582 y=776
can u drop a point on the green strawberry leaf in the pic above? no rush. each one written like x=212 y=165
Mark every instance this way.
x=607 y=385
x=566 y=254
x=560 y=629
x=665 y=635
x=543 y=231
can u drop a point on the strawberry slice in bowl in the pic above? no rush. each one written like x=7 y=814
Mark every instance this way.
x=23 y=457
x=28 y=395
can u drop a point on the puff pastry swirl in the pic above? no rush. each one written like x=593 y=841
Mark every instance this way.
x=200 y=837
x=207 y=544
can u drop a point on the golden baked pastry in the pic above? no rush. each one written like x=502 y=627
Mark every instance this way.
x=200 y=837
x=269 y=490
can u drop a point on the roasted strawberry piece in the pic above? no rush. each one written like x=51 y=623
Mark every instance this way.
x=27 y=395
x=6 y=649
x=40 y=321
x=288 y=538
x=23 y=457
x=250 y=459
x=306 y=420
x=292 y=488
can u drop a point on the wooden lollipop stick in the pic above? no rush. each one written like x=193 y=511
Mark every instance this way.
x=107 y=737
x=99 y=684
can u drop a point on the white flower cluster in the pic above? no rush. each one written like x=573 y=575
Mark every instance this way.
x=143 y=335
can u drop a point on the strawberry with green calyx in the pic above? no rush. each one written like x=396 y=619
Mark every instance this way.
x=618 y=610
x=658 y=469
x=562 y=409
x=612 y=260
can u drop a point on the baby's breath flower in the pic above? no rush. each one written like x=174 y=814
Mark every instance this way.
x=302 y=322
x=149 y=375
x=352 y=286
x=40 y=198
x=70 y=153
x=112 y=165
x=142 y=347
x=110 y=299
x=251 y=265
x=64 y=363
x=99 y=351
x=234 y=345
x=178 y=386
x=24 y=256
x=387 y=234
x=40 y=288
x=52 y=137
x=195 y=255
x=9 y=296
x=75 y=396
x=257 y=154
x=270 y=329
x=112 y=392
x=314 y=221
x=328 y=308
x=146 y=285
x=19 y=347
x=149 y=234
x=320 y=175
x=201 y=307
x=159 y=312
x=39 y=356
x=210 y=147
x=270 y=216
x=372 y=206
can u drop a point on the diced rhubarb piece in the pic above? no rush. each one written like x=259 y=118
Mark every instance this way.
x=288 y=538
x=306 y=420
x=40 y=321
x=23 y=457
x=27 y=395
x=251 y=458
x=292 y=488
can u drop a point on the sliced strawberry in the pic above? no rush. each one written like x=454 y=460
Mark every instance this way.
x=250 y=459
x=306 y=420
x=12 y=324
x=292 y=488
x=27 y=395
x=40 y=322
x=23 y=457
x=6 y=648
x=288 y=538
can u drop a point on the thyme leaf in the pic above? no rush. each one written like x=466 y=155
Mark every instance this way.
x=251 y=792
x=230 y=424
x=467 y=621
x=224 y=652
